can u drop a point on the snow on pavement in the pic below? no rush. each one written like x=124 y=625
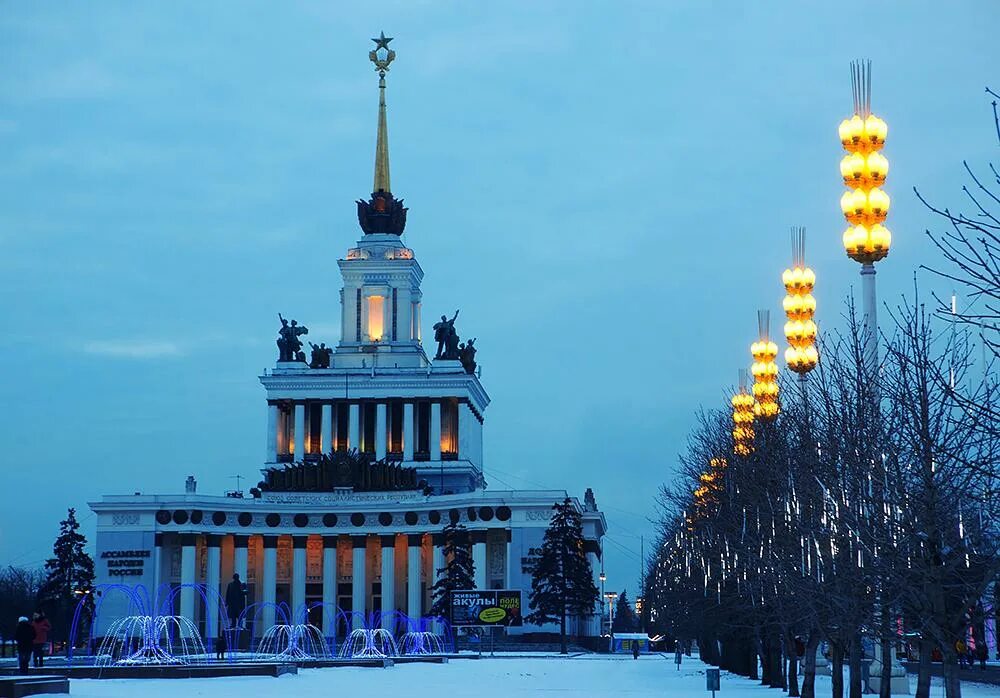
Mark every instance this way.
x=584 y=676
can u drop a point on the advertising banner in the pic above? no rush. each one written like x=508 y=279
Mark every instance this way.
x=495 y=607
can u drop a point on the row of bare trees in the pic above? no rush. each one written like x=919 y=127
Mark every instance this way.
x=867 y=516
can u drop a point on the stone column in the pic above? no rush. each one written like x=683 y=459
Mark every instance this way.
x=326 y=429
x=188 y=561
x=269 y=583
x=354 y=426
x=479 y=558
x=359 y=584
x=271 y=444
x=593 y=548
x=329 y=586
x=414 y=607
x=380 y=431
x=299 y=579
x=508 y=563
x=240 y=544
x=389 y=582
x=437 y=563
x=157 y=562
x=213 y=577
x=408 y=432
x=435 y=431
x=300 y=431
x=240 y=567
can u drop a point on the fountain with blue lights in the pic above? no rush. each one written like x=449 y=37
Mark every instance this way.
x=149 y=632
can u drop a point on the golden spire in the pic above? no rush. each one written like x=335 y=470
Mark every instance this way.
x=382 y=56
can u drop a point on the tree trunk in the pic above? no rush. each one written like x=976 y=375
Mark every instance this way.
x=765 y=660
x=924 y=669
x=855 y=689
x=885 y=681
x=793 y=673
x=809 y=666
x=752 y=664
x=949 y=670
x=837 y=669
x=777 y=670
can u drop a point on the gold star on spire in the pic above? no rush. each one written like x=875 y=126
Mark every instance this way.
x=382 y=56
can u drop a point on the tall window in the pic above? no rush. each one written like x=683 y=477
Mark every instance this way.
x=314 y=413
x=395 y=435
x=368 y=420
x=357 y=317
x=394 y=314
x=449 y=428
x=423 y=445
x=341 y=424
x=415 y=321
x=376 y=318
x=286 y=430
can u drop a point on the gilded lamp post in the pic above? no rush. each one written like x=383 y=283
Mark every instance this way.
x=743 y=433
x=864 y=204
x=800 y=307
x=765 y=371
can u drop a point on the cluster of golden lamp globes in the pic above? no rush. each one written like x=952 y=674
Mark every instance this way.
x=864 y=204
x=800 y=330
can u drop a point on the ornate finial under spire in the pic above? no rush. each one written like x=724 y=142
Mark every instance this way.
x=383 y=213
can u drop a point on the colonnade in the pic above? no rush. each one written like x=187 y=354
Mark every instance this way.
x=208 y=558
x=420 y=430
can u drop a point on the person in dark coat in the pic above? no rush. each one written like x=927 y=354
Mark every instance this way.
x=24 y=636
x=635 y=649
x=42 y=628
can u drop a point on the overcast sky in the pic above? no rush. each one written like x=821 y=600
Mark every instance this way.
x=604 y=189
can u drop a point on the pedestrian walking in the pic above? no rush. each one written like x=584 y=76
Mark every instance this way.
x=42 y=628
x=24 y=636
x=635 y=649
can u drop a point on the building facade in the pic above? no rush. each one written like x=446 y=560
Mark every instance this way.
x=370 y=449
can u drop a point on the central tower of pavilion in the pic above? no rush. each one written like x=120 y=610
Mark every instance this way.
x=379 y=392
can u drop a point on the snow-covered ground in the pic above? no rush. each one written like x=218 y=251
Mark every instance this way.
x=585 y=676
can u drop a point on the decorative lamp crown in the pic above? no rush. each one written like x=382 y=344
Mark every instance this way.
x=743 y=434
x=800 y=306
x=765 y=371
x=864 y=170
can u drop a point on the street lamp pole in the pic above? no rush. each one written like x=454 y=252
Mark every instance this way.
x=865 y=206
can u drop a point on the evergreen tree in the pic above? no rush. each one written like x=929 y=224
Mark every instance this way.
x=562 y=582
x=69 y=577
x=625 y=620
x=459 y=571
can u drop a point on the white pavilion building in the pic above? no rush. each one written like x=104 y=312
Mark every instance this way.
x=367 y=457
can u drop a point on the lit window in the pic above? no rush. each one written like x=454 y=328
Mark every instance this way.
x=375 y=318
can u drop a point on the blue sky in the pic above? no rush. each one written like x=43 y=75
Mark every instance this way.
x=603 y=188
